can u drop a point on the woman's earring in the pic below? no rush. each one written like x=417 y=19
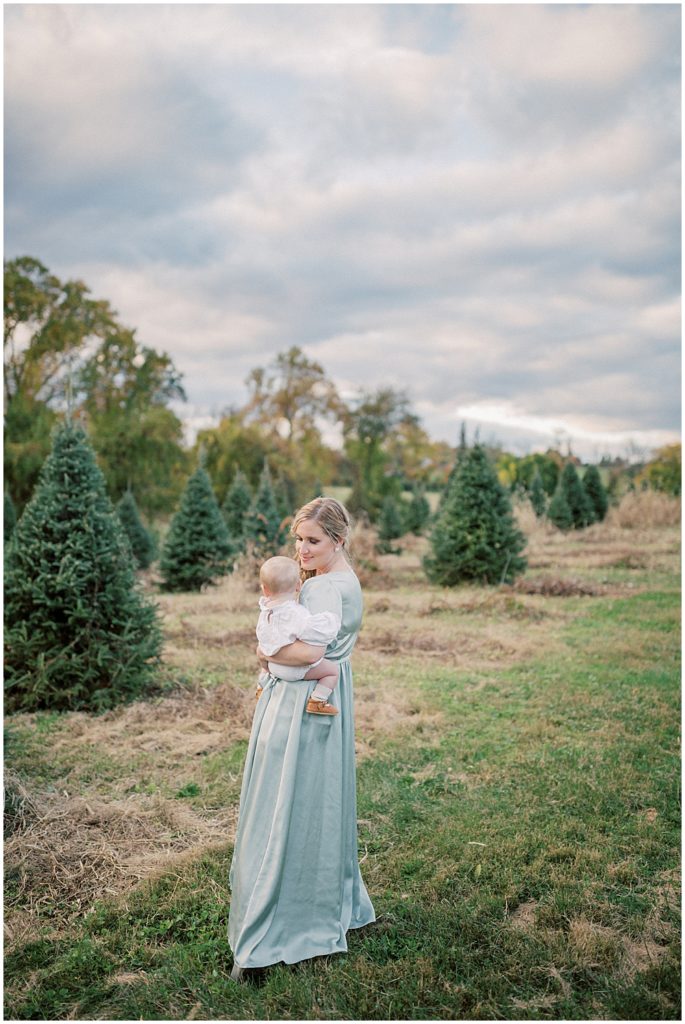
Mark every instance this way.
x=338 y=548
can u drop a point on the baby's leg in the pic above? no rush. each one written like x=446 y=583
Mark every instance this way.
x=326 y=672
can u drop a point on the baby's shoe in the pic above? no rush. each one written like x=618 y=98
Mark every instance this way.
x=320 y=707
x=261 y=682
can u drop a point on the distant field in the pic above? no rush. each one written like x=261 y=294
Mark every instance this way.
x=342 y=494
x=518 y=781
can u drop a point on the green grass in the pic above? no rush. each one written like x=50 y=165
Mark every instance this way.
x=523 y=863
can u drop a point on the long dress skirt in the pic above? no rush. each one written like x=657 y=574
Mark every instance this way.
x=295 y=878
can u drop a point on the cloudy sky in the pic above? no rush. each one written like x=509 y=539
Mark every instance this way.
x=477 y=203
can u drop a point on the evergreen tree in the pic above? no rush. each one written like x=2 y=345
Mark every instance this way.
x=390 y=525
x=418 y=512
x=462 y=452
x=474 y=536
x=538 y=498
x=283 y=497
x=559 y=511
x=576 y=497
x=234 y=509
x=596 y=492
x=263 y=522
x=197 y=547
x=142 y=544
x=10 y=517
x=79 y=633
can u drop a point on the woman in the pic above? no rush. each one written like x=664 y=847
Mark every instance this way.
x=295 y=878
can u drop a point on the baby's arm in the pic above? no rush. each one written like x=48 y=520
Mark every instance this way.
x=318 y=628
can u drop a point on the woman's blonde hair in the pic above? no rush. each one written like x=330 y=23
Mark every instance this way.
x=333 y=518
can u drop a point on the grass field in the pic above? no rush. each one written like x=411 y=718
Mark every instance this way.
x=518 y=799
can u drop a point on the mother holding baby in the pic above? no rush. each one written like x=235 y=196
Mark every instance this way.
x=295 y=879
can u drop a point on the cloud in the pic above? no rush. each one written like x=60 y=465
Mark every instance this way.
x=479 y=203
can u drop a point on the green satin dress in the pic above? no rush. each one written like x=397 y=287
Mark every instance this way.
x=295 y=879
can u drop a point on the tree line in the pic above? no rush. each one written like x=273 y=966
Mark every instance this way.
x=62 y=347
x=80 y=631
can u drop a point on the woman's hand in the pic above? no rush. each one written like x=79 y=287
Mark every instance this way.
x=262 y=658
x=299 y=653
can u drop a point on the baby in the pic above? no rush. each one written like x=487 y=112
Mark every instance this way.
x=282 y=620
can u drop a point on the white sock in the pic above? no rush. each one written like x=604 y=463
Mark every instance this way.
x=321 y=692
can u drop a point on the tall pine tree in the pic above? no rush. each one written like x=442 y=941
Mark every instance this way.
x=576 y=497
x=142 y=544
x=9 y=518
x=538 y=498
x=390 y=525
x=234 y=509
x=559 y=511
x=418 y=512
x=197 y=547
x=79 y=633
x=474 y=536
x=596 y=492
x=264 y=528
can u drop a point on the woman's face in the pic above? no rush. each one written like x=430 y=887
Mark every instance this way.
x=315 y=549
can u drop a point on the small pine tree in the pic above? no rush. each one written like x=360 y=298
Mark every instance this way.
x=576 y=497
x=142 y=544
x=284 y=501
x=264 y=528
x=418 y=512
x=390 y=525
x=197 y=547
x=10 y=517
x=596 y=492
x=79 y=633
x=538 y=498
x=234 y=509
x=559 y=511
x=474 y=536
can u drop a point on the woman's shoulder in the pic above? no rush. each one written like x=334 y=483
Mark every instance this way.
x=334 y=580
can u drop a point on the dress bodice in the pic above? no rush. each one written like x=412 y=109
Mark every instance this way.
x=341 y=593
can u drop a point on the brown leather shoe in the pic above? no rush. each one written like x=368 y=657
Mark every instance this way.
x=258 y=692
x=320 y=707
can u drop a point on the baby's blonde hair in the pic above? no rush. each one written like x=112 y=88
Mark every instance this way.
x=280 y=574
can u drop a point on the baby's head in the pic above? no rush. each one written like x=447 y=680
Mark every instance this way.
x=280 y=575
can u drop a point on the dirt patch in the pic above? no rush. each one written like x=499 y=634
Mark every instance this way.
x=554 y=586
x=523 y=916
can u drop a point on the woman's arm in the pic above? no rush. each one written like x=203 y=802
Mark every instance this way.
x=298 y=653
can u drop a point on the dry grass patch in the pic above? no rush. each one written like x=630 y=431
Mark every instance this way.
x=383 y=711
x=177 y=728
x=74 y=850
x=524 y=915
